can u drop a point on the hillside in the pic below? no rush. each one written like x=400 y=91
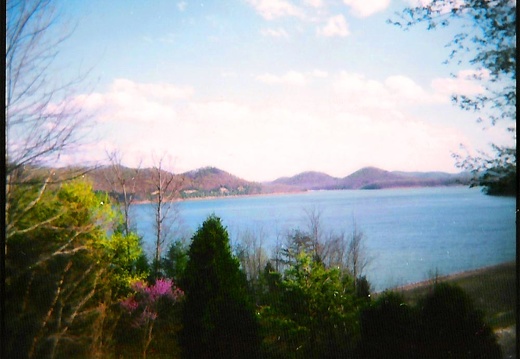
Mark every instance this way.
x=203 y=182
x=372 y=178
x=308 y=180
x=214 y=182
x=211 y=181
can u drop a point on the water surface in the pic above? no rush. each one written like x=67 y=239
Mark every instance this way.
x=409 y=233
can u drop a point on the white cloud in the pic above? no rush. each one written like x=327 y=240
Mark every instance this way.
x=362 y=122
x=364 y=8
x=272 y=9
x=131 y=102
x=289 y=78
x=359 y=91
x=405 y=89
x=336 y=26
x=442 y=7
x=157 y=91
x=277 y=33
x=395 y=91
x=465 y=83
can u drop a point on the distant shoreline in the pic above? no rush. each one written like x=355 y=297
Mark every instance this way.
x=226 y=197
x=286 y=193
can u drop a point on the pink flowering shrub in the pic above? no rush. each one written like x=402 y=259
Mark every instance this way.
x=144 y=304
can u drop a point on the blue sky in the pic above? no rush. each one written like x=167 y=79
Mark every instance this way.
x=267 y=88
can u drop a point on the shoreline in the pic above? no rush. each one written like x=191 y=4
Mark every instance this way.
x=449 y=277
x=285 y=193
x=226 y=197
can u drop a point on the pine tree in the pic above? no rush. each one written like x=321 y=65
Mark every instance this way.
x=218 y=318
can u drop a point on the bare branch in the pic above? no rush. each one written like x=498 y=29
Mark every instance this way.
x=167 y=190
x=40 y=122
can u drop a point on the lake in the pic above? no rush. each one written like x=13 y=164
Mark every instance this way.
x=409 y=233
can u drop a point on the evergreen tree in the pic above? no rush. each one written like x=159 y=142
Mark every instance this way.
x=174 y=263
x=218 y=318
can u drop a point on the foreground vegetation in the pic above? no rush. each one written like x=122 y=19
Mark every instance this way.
x=493 y=290
x=79 y=285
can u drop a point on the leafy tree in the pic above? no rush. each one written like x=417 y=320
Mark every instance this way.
x=315 y=315
x=363 y=288
x=175 y=261
x=55 y=276
x=389 y=329
x=452 y=327
x=218 y=318
x=270 y=284
x=64 y=273
x=124 y=253
x=488 y=37
x=443 y=324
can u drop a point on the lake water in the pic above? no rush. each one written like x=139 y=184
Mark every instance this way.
x=409 y=233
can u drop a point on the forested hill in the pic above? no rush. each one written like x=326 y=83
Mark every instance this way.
x=213 y=182
x=373 y=178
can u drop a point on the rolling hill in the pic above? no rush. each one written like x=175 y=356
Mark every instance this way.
x=214 y=182
x=373 y=178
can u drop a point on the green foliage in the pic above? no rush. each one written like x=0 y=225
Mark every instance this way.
x=363 y=288
x=452 y=327
x=124 y=252
x=315 y=315
x=218 y=319
x=63 y=270
x=389 y=329
x=444 y=324
x=496 y=173
x=55 y=278
x=175 y=261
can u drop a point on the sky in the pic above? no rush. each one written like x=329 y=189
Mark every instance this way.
x=267 y=88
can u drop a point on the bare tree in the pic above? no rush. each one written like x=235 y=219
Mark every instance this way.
x=167 y=187
x=251 y=253
x=358 y=258
x=313 y=217
x=123 y=185
x=334 y=251
x=40 y=123
x=276 y=254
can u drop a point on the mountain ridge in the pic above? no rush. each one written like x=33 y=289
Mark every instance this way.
x=214 y=182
